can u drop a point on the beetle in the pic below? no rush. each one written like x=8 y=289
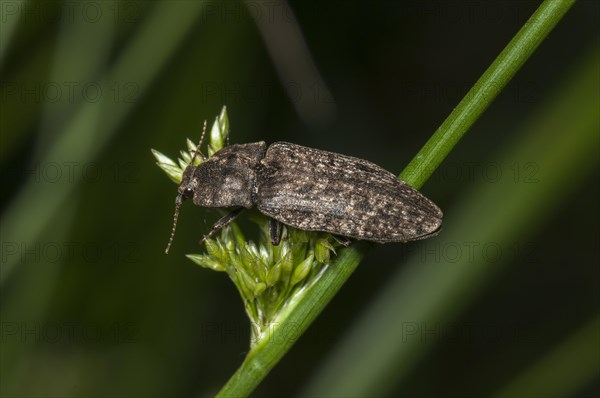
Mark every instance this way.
x=308 y=189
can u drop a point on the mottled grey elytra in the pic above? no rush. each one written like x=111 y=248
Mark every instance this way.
x=312 y=190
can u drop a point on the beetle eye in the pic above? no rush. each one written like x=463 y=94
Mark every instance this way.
x=188 y=193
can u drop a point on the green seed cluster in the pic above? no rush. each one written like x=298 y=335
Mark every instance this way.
x=267 y=276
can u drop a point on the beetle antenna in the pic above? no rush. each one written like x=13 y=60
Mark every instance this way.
x=197 y=151
x=178 y=201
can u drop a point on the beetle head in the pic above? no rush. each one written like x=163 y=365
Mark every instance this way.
x=186 y=187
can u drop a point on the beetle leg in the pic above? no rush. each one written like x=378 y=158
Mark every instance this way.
x=275 y=231
x=223 y=221
x=342 y=240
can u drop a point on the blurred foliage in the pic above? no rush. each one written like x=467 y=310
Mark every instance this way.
x=90 y=306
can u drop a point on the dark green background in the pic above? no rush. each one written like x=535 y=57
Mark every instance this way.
x=91 y=307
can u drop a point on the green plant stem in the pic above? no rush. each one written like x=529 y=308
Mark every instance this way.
x=481 y=95
x=299 y=315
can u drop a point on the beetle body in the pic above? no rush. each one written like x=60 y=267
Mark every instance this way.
x=312 y=190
